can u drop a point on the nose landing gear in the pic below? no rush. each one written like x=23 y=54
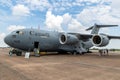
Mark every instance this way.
x=15 y=51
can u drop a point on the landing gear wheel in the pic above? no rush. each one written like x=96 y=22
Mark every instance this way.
x=82 y=53
x=37 y=55
x=62 y=52
x=74 y=53
x=10 y=53
x=15 y=51
x=18 y=54
x=36 y=52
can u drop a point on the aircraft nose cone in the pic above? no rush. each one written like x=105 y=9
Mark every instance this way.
x=7 y=39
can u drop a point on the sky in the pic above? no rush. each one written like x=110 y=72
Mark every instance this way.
x=60 y=15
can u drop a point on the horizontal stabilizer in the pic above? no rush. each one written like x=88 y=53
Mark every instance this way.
x=95 y=28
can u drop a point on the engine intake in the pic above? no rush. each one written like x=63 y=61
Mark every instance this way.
x=68 y=39
x=100 y=40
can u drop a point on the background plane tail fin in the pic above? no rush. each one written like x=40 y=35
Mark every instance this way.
x=95 y=28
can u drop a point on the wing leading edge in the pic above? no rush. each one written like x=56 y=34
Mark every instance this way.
x=88 y=36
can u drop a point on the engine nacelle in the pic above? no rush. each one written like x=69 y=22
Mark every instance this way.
x=100 y=40
x=68 y=39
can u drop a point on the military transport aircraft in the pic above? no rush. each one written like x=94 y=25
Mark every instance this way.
x=33 y=40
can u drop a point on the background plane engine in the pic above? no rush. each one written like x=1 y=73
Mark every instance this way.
x=68 y=39
x=100 y=40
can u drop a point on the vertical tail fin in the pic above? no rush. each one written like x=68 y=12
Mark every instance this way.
x=95 y=28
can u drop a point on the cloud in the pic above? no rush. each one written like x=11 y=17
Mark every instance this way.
x=62 y=5
x=66 y=18
x=2 y=36
x=75 y=26
x=53 y=22
x=66 y=22
x=15 y=27
x=72 y=24
x=55 y=5
x=40 y=5
x=115 y=5
x=5 y=3
x=92 y=1
x=98 y=14
x=20 y=10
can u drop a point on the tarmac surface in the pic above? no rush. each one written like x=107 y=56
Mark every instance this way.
x=60 y=67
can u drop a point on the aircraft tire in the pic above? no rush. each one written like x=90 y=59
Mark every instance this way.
x=62 y=52
x=36 y=52
x=82 y=53
x=37 y=55
x=19 y=54
x=10 y=53
x=74 y=53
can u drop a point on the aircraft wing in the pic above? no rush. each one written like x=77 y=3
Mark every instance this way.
x=88 y=36
x=114 y=37
x=82 y=36
x=110 y=36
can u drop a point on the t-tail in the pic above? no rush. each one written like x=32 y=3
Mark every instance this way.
x=95 y=28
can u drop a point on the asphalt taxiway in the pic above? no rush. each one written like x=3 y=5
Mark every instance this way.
x=60 y=67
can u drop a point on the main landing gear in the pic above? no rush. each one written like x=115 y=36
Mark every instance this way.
x=36 y=52
x=75 y=53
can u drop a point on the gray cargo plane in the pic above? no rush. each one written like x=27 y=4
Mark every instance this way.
x=33 y=40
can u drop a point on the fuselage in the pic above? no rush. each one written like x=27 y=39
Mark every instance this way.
x=28 y=39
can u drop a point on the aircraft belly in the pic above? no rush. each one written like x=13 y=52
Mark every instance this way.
x=68 y=48
x=49 y=44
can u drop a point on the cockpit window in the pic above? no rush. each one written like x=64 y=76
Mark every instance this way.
x=19 y=32
x=32 y=32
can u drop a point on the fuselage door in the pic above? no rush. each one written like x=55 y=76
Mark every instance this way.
x=36 y=44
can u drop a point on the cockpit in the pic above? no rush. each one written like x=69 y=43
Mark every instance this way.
x=19 y=32
x=17 y=38
x=16 y=33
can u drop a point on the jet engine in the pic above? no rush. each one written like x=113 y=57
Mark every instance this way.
x=68 y=39
x=100 y=40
